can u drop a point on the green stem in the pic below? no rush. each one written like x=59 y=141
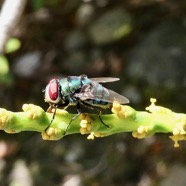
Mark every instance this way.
x=124 y=119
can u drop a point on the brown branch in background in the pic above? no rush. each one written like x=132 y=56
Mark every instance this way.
x=9 y=17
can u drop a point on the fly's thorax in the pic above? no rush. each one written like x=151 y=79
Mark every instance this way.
x=69 y=85
x=85 y=80
x=64 y=90
x=72 y=84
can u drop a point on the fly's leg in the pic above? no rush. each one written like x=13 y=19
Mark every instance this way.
x=79 y=112
x=53 y=116
x=99 y=115
x=64 y=106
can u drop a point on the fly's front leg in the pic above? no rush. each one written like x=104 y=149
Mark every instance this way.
x=53 y=116
x=55 y=106
x=79 y=112
x=49 y=110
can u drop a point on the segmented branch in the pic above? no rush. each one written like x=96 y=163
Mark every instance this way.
x=141 y=124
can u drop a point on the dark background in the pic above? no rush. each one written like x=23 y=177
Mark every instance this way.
x=143 y=42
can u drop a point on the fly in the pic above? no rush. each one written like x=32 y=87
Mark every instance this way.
x=81 y=90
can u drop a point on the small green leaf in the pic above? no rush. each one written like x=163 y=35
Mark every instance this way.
x=4 y=65
x=37 y=4
x=12 y=45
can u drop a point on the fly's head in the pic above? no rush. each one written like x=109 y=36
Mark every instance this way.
x=52 y=92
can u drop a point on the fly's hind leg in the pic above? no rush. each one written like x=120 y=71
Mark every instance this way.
x=72 y=119
x=99 y=115
x=99 y=112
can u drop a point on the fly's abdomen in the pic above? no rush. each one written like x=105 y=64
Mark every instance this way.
x=100 y=95
x=99 y=92
x=97 y=103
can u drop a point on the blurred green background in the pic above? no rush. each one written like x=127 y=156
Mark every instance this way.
x=143 y=42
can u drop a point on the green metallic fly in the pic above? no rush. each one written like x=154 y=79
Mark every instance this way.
x=81 y=90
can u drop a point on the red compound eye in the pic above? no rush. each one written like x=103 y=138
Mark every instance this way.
x=53 y=89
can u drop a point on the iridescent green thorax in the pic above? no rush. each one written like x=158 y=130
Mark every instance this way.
x=72 y=84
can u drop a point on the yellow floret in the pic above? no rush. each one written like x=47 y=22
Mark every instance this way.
x=5 y=116
x=85 y=124
x=32 y=111
x=141 y=132
x=51 y=134
x=158 y=109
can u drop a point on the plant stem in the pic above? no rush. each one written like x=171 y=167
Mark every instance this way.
x=142 y=124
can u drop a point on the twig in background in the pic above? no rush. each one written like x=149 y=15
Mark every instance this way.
x=9 y=17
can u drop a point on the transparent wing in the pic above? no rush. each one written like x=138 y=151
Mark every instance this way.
x=100 y=93
x=104 y=79
x=114 y=96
